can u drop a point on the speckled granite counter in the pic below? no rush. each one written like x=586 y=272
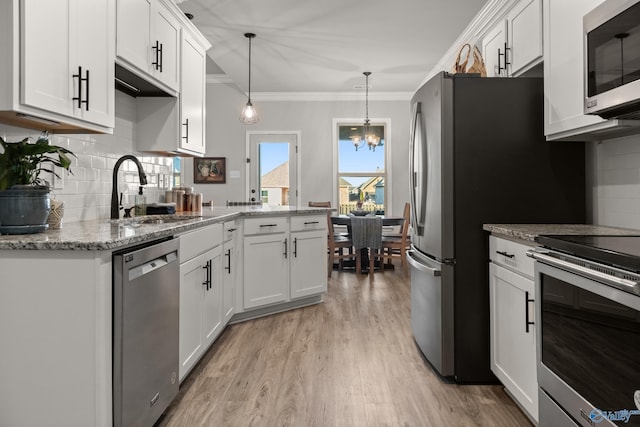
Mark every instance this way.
x=108 y=234
x=530 y=232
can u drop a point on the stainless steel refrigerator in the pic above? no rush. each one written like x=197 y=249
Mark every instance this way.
x=478 y=155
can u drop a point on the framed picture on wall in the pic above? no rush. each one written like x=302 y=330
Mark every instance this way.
x=209 y=170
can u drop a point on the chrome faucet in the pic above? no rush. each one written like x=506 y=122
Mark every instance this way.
x=115 y=208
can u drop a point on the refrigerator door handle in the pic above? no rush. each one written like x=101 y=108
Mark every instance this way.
x=417 y=206
x=420 y=266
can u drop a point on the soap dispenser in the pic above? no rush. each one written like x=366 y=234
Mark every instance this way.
x=141 y=203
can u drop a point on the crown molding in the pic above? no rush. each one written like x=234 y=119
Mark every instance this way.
x=330 y=96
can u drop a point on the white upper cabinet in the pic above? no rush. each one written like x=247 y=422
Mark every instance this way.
x=192 y=95
x=514 y=44
x=563 y=71
x=148 y=41
x=61 y=80
x=524 y=27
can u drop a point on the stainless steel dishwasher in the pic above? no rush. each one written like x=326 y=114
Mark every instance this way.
x=145 y=332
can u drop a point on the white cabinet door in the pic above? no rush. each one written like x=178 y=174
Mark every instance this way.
x=266 y=269
x=134 y=32
x=232 y=259
x=192 y=282
x=563 y=68
x=46 y=79
x=308 y=263
x=513 y=344
x=524 y=29
x=96 y=55
x=212 y=300
x=192 y=96
x=166 y=40
x=200 y=306
x=493 y=50
x=64 y=71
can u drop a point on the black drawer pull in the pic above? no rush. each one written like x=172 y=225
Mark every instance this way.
x=508 y=255
x=268 y=225
x=311 y=222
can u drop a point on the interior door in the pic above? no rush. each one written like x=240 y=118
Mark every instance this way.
x=273 y=168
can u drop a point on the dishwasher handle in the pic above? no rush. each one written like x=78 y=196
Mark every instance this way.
x=153 y=265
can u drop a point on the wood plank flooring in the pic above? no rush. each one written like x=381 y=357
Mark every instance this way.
x=350 y=361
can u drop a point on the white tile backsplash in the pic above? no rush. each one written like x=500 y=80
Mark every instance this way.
x=87 y=192
x=616 y=192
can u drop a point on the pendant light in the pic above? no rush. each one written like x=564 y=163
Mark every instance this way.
x=368 y=136
x=249 y=115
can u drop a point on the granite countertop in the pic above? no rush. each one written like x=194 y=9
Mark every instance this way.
x=530 y=232
x=106 y=234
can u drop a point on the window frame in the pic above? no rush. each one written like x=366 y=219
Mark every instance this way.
x=386 y=174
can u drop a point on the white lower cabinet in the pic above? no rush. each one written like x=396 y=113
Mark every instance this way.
x=201 y=287
x=513 y=342
x=308 y=263
x=266 y=275
x=284 y=260
x=232 y=267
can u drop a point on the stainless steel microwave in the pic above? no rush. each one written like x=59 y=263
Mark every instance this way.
x=612 y=60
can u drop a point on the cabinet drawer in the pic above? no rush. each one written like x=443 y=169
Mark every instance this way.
x=511 y=254
x=198 y=241
x=230 y=228
x=308 y=222
x=272 y=224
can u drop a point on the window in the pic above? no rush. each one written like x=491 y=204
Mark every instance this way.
x=361 y=172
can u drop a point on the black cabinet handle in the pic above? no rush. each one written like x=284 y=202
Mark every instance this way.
x=186 y=132
x=285 y=249
x=207 y=268
x=161 y=57
x=295 y=247
x=228 y=255
x=268 y=225
x=157 y=49
x=79 y=98
x=506 y=58
x=527 y=322
x=311 y=222
x=500 y=68
x=231 y=230
x=508 y=255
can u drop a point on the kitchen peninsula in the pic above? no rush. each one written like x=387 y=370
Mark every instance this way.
x=56 y=298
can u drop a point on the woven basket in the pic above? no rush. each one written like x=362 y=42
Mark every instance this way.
x=55 y=215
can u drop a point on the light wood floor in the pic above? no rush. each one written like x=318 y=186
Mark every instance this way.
x=350 y=361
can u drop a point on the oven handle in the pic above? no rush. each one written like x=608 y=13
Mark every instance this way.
x=616 y=282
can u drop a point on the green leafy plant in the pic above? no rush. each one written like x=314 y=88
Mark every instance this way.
x=21 y=162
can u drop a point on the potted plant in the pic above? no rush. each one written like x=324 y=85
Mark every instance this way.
x=24 y=194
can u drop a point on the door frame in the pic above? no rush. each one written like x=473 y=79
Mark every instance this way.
x=297 y=134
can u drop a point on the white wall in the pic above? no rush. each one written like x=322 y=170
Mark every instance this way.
x=87 y=193
x=226 y=138
x=616 y=182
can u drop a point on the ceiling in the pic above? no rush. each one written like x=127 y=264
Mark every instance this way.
x=325 y=45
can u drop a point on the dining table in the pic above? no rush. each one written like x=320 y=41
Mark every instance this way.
x=366 y=231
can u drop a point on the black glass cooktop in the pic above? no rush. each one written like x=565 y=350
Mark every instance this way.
x=618 y=251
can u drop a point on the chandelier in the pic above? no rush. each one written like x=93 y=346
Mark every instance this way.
x=249 y=114
x=368 y=136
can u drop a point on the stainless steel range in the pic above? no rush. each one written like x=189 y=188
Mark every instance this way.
x=588 y=334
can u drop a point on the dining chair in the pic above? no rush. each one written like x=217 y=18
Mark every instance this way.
x=337 y=243
x=367 y=236
x=395 y=246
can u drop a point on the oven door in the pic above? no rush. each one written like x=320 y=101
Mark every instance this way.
x=588 y=348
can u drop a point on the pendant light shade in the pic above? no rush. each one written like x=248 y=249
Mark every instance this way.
x=371 y=138
x=249 y=114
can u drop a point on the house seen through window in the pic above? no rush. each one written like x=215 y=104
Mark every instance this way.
x=361 y=169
